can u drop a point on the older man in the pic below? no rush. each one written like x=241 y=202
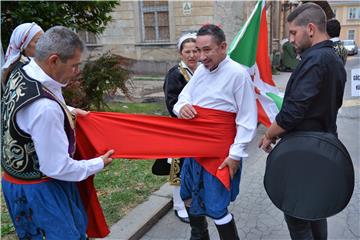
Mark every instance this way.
x=222 y=84
x=313 y=95
x=40 y=175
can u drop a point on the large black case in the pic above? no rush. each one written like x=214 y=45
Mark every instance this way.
x=309 y=175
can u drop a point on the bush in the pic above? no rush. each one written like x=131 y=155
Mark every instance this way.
x=100 y=78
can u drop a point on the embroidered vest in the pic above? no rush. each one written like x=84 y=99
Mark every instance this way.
x=18 y=156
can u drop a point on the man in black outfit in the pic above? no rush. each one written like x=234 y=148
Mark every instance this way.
x=313 y=95
x=333 y=28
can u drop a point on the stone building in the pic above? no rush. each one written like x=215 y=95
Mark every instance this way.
x=147 y=31
x=348 y=14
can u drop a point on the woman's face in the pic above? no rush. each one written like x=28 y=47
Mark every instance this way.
x=190 y=55
x=29 y=51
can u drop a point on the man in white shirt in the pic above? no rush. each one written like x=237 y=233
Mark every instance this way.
x=40 y=175
x=222 y=84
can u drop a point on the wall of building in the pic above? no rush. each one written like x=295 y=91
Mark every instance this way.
x=347 y=24
x=123 y=35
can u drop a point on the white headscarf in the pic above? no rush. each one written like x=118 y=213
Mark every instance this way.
x=2 y=55
x=184 y=37
x=19 y=40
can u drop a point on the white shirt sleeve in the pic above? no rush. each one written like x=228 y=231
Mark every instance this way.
x=246 y=118
x=44 y=121
x=183 y=98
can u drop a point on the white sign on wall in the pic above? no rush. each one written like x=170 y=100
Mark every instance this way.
x=355 y=82
x=187 y=7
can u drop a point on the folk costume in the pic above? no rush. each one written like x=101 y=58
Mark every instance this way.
x=227 y=88
x=40 y=175
x=175 y=80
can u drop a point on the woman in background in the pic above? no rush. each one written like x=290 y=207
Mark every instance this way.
x=21 y=47
x=175 y=80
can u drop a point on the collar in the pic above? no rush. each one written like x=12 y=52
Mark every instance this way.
x=323 y=44
x=335 y=39
x=36 y=72
x=183 y=65
x=222 y=63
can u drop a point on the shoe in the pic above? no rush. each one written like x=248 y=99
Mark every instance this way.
x=183 y=219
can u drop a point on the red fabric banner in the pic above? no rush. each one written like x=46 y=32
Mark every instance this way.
x=207 y=138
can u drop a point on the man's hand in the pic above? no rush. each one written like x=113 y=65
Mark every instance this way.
x=187 y=112
x=265 y=143
x=106 y=157
x=232 y=164
x=78 y=111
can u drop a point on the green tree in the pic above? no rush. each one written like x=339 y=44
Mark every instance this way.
x=100 y=78
x=90 y=16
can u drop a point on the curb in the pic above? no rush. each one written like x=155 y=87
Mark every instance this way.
x=139 y=220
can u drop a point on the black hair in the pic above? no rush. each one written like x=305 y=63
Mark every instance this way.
x=308 y=13
x=213 y=30
x=333 y=28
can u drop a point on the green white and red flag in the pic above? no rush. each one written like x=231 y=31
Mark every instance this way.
x=250 y=48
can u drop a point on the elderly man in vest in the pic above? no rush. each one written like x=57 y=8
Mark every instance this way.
x=40 y=175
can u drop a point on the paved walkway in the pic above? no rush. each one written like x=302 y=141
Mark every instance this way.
x=256 y=217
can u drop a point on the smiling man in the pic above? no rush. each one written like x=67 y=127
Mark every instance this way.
x=218 y=83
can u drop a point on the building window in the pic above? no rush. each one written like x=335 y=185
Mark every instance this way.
x=351 y=34
x=155 y=21
x=354 y=13
x=88 y=37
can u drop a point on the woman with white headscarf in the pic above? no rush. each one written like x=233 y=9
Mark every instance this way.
x=21 y=47
x=175 y=80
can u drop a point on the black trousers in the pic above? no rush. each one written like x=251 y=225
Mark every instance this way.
x=306 y=230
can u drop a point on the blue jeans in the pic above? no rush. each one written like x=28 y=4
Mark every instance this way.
x=305 y=229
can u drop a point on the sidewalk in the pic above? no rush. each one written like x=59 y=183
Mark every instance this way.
x=256 y=217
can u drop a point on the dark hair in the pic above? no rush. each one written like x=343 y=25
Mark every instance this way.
x=213 y=30
x=333 y=28
x=308 y=13
x=186 y=41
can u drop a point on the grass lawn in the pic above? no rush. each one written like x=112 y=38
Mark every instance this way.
x=122 y=185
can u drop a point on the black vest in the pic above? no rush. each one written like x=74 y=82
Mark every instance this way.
x=18 y=156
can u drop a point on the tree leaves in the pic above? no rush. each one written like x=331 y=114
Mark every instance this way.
x=100 y=78
x=90 y=16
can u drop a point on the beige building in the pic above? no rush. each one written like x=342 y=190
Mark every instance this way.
x=147 y=31
x=348 y=14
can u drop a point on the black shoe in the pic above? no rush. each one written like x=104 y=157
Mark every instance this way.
x=228 y=231
x=183 y=219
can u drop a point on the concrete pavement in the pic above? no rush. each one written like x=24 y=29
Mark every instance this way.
x=256 y=217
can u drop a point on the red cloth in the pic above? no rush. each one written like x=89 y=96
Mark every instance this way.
x=207 y=138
